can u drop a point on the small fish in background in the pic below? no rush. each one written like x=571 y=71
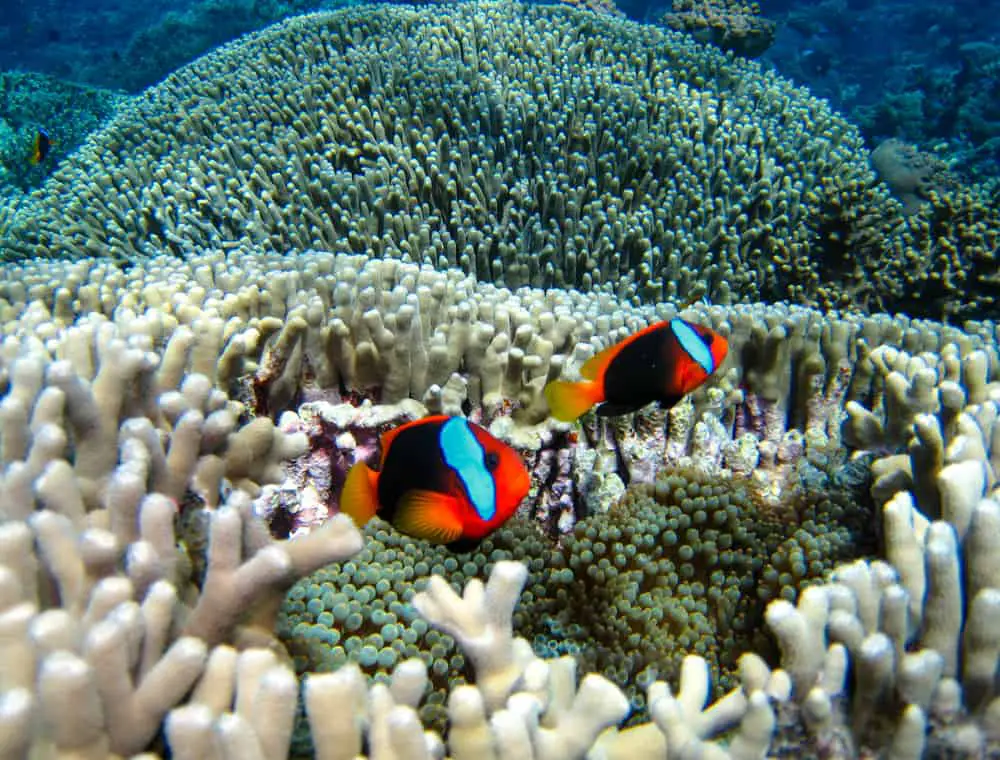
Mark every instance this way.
x=41 y=145
x=664 y=362
x=442 y=479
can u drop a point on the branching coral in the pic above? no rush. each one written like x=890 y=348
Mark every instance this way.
x=106 y=628
x=322 y=334
x=445 y=157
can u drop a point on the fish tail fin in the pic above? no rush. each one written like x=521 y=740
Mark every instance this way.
x=359 y=497
x=568 y=401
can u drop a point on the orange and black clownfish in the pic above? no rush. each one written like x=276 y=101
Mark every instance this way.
x=663 y=363
x=40 y=146
x=443 y=479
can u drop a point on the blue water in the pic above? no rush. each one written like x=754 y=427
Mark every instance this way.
x=125 y=44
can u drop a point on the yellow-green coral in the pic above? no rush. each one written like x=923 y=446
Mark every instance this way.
x=684 y=566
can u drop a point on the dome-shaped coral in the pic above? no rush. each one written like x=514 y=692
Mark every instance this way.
x=524 y=144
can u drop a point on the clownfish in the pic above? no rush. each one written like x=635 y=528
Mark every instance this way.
x=40 y=146
x=663 y=363
x=442 y=479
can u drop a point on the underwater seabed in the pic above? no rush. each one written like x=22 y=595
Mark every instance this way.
x=208 y=320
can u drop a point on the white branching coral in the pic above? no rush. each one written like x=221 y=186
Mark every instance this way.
x=106 y=627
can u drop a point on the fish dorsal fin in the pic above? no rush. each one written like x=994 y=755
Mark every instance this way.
x=595 y=366
x=429 y=515
x=390 y=435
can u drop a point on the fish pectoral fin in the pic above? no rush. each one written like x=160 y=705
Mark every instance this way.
x=617 y=410
x=359 y=497
x=428 y=515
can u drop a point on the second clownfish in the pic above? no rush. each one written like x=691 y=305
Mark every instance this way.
x=662 y=363
x=442 y=479
x=41 y=144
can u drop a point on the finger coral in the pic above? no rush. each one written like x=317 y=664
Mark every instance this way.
x=131 y=455
x=107 y=629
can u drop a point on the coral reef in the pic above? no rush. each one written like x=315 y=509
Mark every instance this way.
x=922 y=73
x=178 y=36
x=603 y=7
x=685 y=566
x=728 y=24
x=131 y=456
x=911 y=175
x=108 y=631
x=133 y=46
x=318 y=334
x=695 y=174
x=187 y=377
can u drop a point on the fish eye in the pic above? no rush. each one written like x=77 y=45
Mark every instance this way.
x=492 y=460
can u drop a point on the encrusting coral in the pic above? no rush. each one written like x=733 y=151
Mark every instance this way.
x=534 y=145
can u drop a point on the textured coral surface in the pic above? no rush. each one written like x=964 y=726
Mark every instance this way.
x=140 y=460
x=201 y=336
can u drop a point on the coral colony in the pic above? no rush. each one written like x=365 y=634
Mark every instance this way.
x=216 y=308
